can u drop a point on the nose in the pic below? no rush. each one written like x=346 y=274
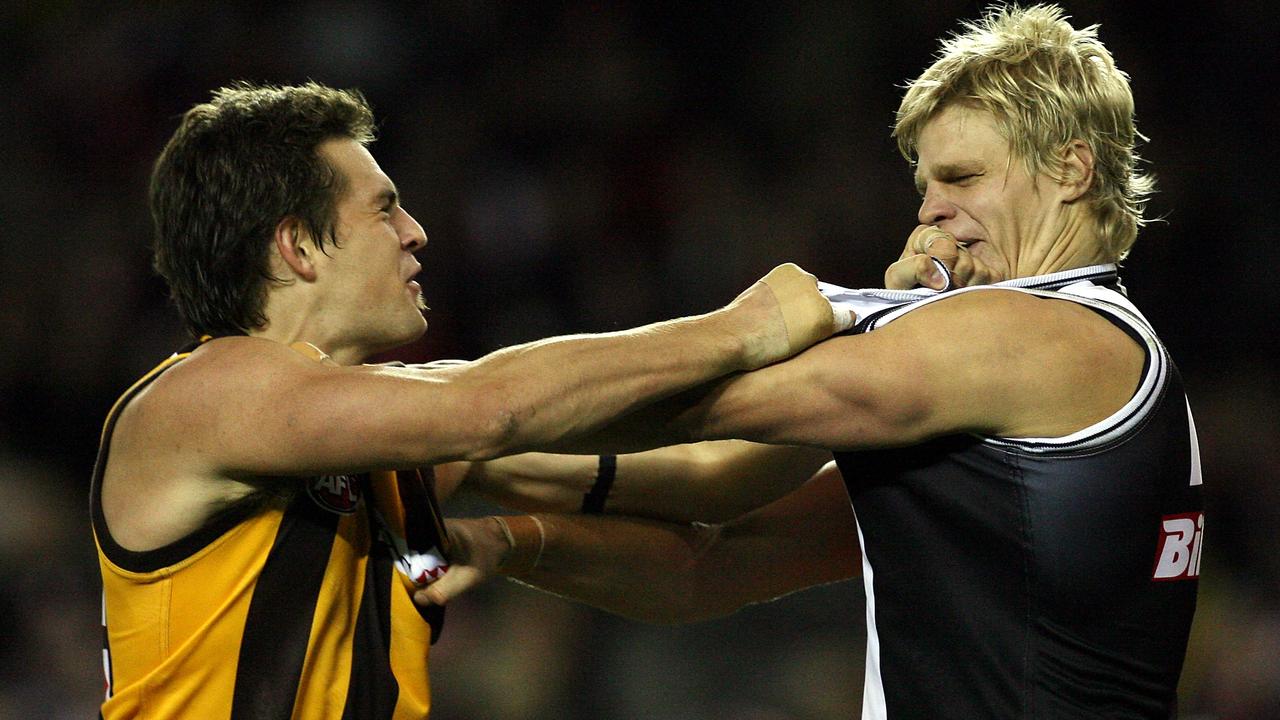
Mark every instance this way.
x=412 y=237
x=935 y=208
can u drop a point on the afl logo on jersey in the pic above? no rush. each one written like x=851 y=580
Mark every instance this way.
x=336 y=493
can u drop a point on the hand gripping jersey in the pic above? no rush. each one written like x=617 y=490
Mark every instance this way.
x=296 y=605
x=1032 y=577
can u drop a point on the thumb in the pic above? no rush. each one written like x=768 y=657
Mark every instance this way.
x=457 y=581
x=944 y=247
x=914 y=271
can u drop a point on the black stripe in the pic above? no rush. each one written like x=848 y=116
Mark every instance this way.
x=424 y=529
x=868 y=323
x=373 y=690
x=423 y=521
x=278 y=625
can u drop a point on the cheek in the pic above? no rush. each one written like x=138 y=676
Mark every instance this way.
x=994 y=213
x=985 y=253
x=367 y=291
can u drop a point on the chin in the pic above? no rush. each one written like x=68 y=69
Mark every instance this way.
x=413 y=332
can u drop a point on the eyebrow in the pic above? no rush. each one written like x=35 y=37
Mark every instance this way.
x=945 y=170
x=387 y=196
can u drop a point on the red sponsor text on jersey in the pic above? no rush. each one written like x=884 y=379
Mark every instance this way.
x=1178 y=551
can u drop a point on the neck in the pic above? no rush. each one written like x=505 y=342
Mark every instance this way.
x=340 y=354
x=348 y=334
x=1076 y=245
x=293 y=319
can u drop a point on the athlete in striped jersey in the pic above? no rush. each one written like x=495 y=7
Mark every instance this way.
x=257 y=547
x=1021 y=458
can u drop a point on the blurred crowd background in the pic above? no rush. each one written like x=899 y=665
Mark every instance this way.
x=591 y=166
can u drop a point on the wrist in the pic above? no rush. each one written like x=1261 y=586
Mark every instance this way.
x=736 y=336
x=526 y=540
x=593 y=500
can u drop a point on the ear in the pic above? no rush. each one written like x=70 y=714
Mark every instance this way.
x=296 y=249
x=1077 y=170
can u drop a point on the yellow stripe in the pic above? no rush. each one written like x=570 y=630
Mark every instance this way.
x=410 y=648
x=169 y=663
x=326 y=672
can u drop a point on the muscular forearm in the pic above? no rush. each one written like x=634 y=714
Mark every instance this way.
x=706 y=482
x=564 y=388
x=661 y=572
x=545 y=392
x=641 y=569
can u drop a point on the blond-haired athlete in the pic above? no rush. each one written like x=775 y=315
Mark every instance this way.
x=1021 y=459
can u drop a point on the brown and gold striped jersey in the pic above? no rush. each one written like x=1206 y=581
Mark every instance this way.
x=297 y=605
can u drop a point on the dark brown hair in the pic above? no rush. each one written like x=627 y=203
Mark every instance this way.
x=235 y=167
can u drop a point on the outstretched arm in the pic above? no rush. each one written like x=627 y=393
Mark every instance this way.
x=990 y=362
x=663 y=572
x=277 y=413
x=708 y=482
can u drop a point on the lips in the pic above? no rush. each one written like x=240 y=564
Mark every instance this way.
x=417 y=268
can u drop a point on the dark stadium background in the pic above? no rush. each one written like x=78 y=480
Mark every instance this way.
x=592 y=166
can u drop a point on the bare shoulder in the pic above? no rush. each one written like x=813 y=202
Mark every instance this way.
x=1026 y=365
x=226 y=375
x=207 y=374
x=1003 y=320
x=1002 y=308
x=162 y=478
x=238 y=360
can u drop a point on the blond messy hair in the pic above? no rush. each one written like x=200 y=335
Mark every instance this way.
x=1046 y=84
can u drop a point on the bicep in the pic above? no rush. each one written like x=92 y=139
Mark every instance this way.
x=989 y=363
x=272 y=412
x=847 y=393
x=708 y=481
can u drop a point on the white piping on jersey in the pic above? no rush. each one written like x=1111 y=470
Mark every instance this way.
x=889 y=298
x=875 y=306
x=1196 y=478
x=874 y=706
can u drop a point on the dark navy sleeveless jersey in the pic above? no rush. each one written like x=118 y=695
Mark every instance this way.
x=1035 y=578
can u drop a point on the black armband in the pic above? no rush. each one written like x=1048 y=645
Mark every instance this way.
x=593 y=502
